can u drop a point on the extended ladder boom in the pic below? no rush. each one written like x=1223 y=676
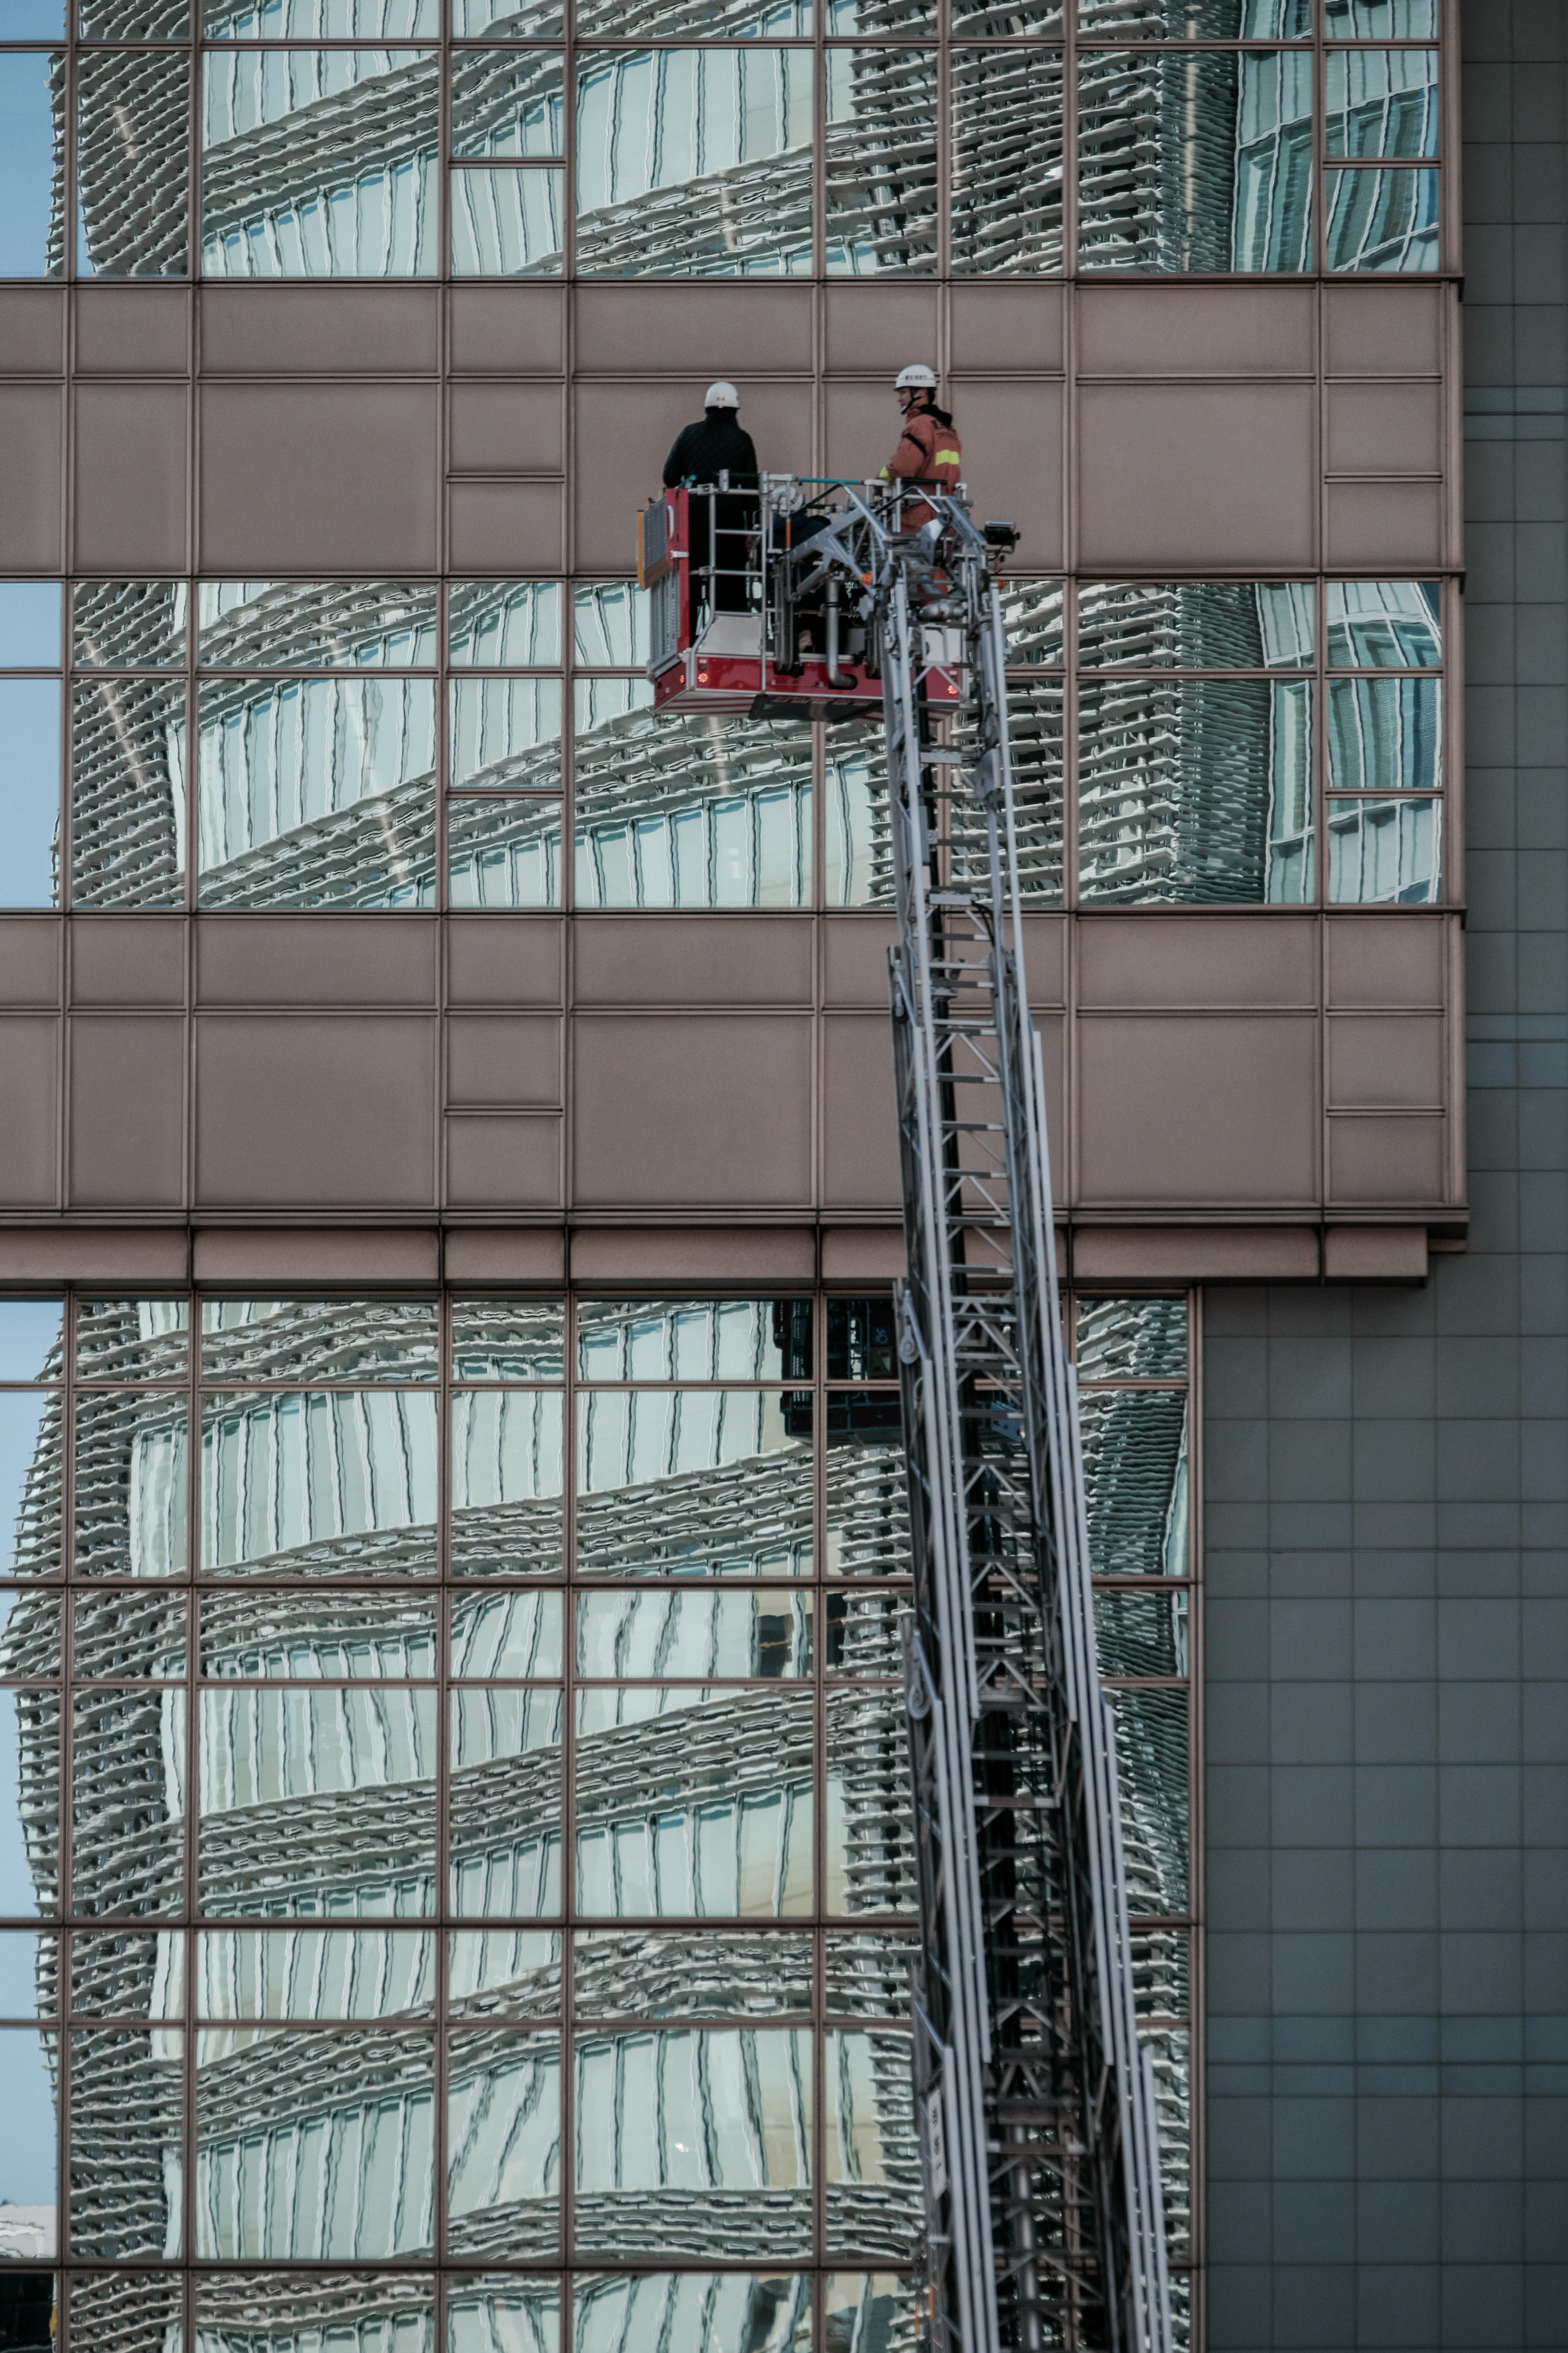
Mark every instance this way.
x=1044 y=2219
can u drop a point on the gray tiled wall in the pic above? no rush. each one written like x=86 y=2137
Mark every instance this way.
x=1386 y=1512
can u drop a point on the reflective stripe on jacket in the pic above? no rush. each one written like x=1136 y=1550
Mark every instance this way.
x=926 y=452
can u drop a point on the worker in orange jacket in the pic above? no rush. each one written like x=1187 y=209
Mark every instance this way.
x=929 y=453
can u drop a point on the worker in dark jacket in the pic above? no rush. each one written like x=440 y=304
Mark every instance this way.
x=701 y=453
x=929 y=451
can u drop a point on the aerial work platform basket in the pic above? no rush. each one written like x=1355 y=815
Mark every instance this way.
x=734 y=629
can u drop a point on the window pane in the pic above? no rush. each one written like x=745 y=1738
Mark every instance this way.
x=1135 y=1474
x=1032 y=615
x=319 y=1339
x=694 y=2142
x=32 y=162
x=728 y=20
x=133 y=20
x=868 y=1493
x=505 y=1803
x=503 y=2145
x=1006 y=160
x=131 y=1464
x=1382 y=220
x=1195 y=160
x=267 y=1637
x=993 y=19
x=1170 y=2058
x=1385 y=624
x=688 y=811
x=306 y=1483
x=128 y=1803
x=694 y=1803
x=508 y=102
x=1195 y=625
x=862 y=1342
x=1385 y=734
x=691 y=1633
x=507 y=224
x=332 y=20
x=694 y=162
x=1035 y=709
x=872 y=2161
x=506 y=733
x=870 y=1859
x=32 y=1442
x=30 y=792
x=694 y=1339
x=31 y=1336
x=29 y=1803
x=517 y=1635
x=29 y=609
x=1141 y=1633
x=127 y=624
x=133 y=1339
x=509 y=1339
x=1131 y=1339
x=317 y=792
x=881 y=162
x=127 y=2136
x=874 y=2311
x=133 y=163
x=126 y=2311
x=507 y=1467
x=693 y=1483
x=1388 y=20
x=32 y=1646
x=504 y=624
x=129 y=1973
x=536 y=19
x=318 y=163
x=504 y=1972
x=123 y=1635
x=1185 y=786
x=313 y=2147
x=1152 y=1764
x=1197 y=20
x=1386 y=853
x=609 y=625
x=634 y=1975
x=249 y=2311
x=482 y=2314
x=1382 y=102
x=128 y=794
x=867 y=1972
x=503 y=853
x=717 y=2309
x=864 y=1631
x=316 y=625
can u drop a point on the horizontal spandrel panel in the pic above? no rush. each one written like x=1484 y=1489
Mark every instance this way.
x=694 y=1339
x=127 y=624
x=1006 y=161
x=759 y=2313
x=246 y=1974
x=318 y=793
x=1385 y=853
x=504 y=1809
x=29 y=1804
x=132 y=223
x=325 y=2113
x=31 y=1648
x=610 y=625
x=1135 y=1477
x=131 y=1466
x=316 y=624
x=504 y=1972
x=504 y=734
x=506 y=1479
x=129 y=1973
x=1141 y=1633
x=868 y=1973
x=880 y=167
x=128 y=793
x=319 y=1339
x=301 y=1482
x=504 y=624
x=1384 y=221
x=1194 y=792
x=692 y=1634
x=696 y=2141
x=701 y=1974
x=872 y=2159
x=869 y=1865
x=32 y=1340
x=1153 y=1764
x=1385 y=734
x=1131 y=1339
x=320 y=163
x=508 y=222
x=503 y=2145
x=1382 y=102
x=1197 y=160
x=128 y=1803
x=1195 y=625
x=694 y=1482
x=1385 y=624
x=508 y=102
x=503 y=853
x=31 y=1465
x=244 y=2311
x=1195 y=20
x=694 y=1802
x=694 y=162
x=268 y=1637
x=133 y=1339
x=511 y=1635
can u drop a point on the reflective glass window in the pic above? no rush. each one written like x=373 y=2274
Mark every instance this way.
x=694 y=1339
x=1387 y=20
x=1195 y=20
x=1006 y=172
x=128 y=793
x=1194 y=625
x=694 y=1482
x=535 y=21
x=996 y=19
x=335 y=20
x=1382 y=102
x=504 y=733
x=881 y=163
x=32 y=160
x=507 y=624
x=1385 y=734
x=609 y=624
x=504 y=1829
x=133 y=20
x=507 y=1339
x=133 y=1339
x=30 y=793
x=875 y=2197
x=1135 y=1473
x=684 y=811
x=132 y=164
x=507 y=223
x=1382 y=220
x=503 y=2146
x=129 y=624
x=503 y=852
x=1385 y=853
x=508 y=102
x=346 y=625
x=1385 y=624
x=307 y=1482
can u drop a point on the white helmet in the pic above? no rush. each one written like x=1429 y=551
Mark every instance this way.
x=723 y=395
x=918 y=378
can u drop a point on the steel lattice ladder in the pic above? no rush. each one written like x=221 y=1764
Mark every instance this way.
x=1037 y=2105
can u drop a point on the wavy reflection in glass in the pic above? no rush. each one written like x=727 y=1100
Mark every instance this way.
x=503 y=2144
x=689 y=811
x=128 y=793
x=504 y=1805
x=1135 y=1475
x=694 y=1482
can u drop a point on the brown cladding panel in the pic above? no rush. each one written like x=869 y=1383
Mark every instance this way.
x=132 y=331
x=503 y=1164
x=1386 y=1161
x=1011 y=441
x=859 y=1116
x=291 y=1256
x=315 y=1113
x=28 y=1133
x=131 y=476
x=877 y=329
x=506 y=428
x=697 y=1254
x=32 y=330
x=1385 y=428
x=316 y=959
x=863 y=428
x=338 y=478
x=320 y=331
x=1186 y=475
x=619 y=470
x=127 y=960
x=29 y=960
x=127 y=1099
x=1144 y=1253
x=504 y=959
x=507 y=330
x=498 y=1061
x=32 y=435
x=1046 y=958
x=864 y=1254
x=1383 y=329
x=711 y=331
x=1151 y=331
x=855 y=958
x=1393 y=1064
x=1375 y=1253
x=1391 y=525
x=1396 y=960
x=1268 y=960
x=691 y=960
x=1008 y=326
x=505 y=527
x=496 y=1254
x=692 y=1110
x=1212 y=1109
